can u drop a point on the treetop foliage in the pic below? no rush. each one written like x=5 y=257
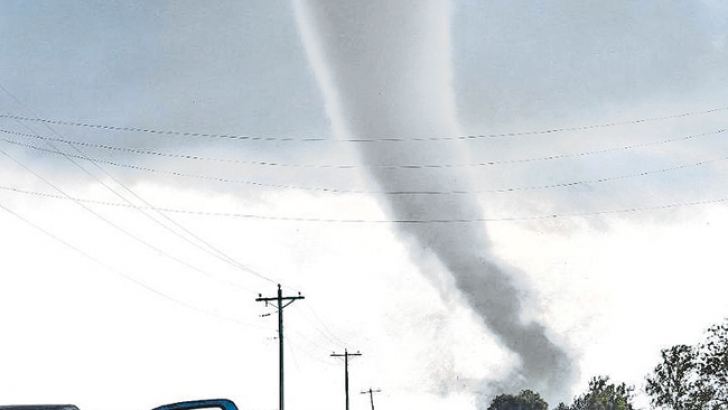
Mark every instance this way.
x=525 y=400
x=693 y=377
x=687 y=378
x=601 y=395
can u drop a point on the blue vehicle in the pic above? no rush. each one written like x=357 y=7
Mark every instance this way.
x=222 y=404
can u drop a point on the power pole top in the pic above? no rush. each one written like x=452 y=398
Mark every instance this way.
x=371 y=392
x=280 y=296
x=280 y=302
x=346 y=356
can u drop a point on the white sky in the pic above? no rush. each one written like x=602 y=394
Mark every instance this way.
x=615 y=288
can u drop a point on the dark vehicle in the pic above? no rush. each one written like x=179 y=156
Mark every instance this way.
x=41 y=407
x=221 y=404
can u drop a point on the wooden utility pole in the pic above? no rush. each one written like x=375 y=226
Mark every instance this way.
x=346 y=356
x=371 y=392
x=280 y=302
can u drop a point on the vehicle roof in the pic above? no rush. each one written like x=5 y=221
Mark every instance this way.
x=223 y=404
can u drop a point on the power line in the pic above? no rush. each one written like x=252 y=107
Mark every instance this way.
x=325 y=335
x=163 y=132
x=117 y=227
x=293 y=355
x=12 y=96
x=145 y=213
x=181 y=174
x=551 y=157
x=214 y=251
x=208 y=247
x=177 y=156
x=565 y=184
x=124 y=275
x=672 y=205
x=311 y=353
x=326 y=332
x=310 y=341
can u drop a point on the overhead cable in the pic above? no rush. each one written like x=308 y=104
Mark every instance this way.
x=124 y=275
x=514 y=189
x=527 y=218
x=116 y=226
x=141 y=151
x=163 y=132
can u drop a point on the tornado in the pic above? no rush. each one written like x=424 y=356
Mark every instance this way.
x=384 y=68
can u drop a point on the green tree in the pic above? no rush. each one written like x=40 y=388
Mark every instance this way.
x=676 y=382
x=562 y=406
x=713 y=365
x=525 y=400
x=603 y=395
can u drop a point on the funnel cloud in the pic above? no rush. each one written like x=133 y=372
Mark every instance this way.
x=384 y=69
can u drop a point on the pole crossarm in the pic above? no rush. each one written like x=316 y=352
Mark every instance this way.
x=345 y=354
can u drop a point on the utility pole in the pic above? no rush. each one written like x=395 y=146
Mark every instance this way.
x=280 y=302
x=346 y=356
x=371 y=392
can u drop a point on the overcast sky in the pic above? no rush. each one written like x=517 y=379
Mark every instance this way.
x=614 y=288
